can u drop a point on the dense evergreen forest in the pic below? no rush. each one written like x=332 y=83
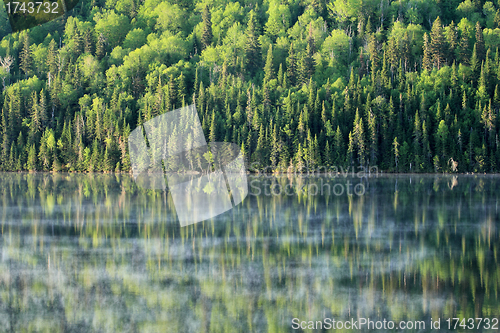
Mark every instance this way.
x=407 y=86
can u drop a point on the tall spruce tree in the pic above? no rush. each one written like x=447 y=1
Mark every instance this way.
x=252 y=47
x=438 y=45
x=25 y=57
x=206 y=35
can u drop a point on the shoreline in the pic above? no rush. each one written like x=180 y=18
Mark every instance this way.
x=335 y=174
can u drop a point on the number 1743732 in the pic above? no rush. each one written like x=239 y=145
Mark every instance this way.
x=37 y=7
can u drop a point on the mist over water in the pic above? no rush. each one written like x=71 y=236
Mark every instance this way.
x=97 y=253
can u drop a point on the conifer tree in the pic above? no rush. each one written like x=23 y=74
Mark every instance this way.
x=268 y=69
x=292 y=66
x=372 y=127
x=31 y=164
x=395 y=150
x=464 y=52
x=426 y=61
x=426 y=146
x=475 y=63
x=213 y=129
x=101 y=47
x=25 y=58
x=481 y=48
x=77 y=41
x=339 y=148
x=358 y=138
x=252 y=47
x=327 y=156
x=373 y=49
x=452 y=40
x=52 y=58
x=88 y=42
x=206 y=35
x=299 y=159
x=438 y=45
x=308 y=59
x=281 y=79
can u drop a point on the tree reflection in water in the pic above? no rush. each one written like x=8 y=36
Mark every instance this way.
x=96 y=253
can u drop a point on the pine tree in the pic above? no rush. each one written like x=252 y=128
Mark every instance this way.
x=261 y=151
x=308 y=59
x=482 y=93
x=252 y=48
x=268 y=69
x=52 y=58
x=464 y=53
x=339 y=148
x=275 y=148
x=31 y=164
x=481 y=48
x=206 y=35
x=181 y=89
x=475 y=63
x=417 y=140
x=350 y=150
x=358 y=138
x=442 y=138
x=327 y=156
x=373 y=49
x=292 y=66
x=496 y=21
x=426 y=61
x=77 y=41
x=281 y=79
x=303 y=70
x=452 y=39
x=25 y=61
x=213 y=129
x=88 y=42
x=101 y=47
x=36 y=120
x=395 y=150
x=107 y=163
x=426 y=146
x=372 y=127
x=299 y=159
x=438 y=45
x=315 y=154
x=172 y=93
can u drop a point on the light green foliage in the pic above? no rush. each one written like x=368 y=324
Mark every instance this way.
x=271 y=76
x=112 y=25
x=345 y=10
x=466 y=8
x=491 y=37
x=279 y=19
x=336 y=47
x=489 y=11
x=169 y=17
x=134 y=39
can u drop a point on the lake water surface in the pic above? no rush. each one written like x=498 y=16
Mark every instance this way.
x=96 y=253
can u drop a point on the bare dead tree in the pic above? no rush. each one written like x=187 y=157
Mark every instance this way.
x=6 y=63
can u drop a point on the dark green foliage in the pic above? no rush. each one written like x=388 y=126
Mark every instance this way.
x=206 y=35
x=252 y=47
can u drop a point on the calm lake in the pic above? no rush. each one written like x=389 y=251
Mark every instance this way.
x=97 y=253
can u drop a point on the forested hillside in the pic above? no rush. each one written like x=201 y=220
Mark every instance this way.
x=403 y=85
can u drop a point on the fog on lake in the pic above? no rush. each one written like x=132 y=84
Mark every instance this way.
x=97 y=253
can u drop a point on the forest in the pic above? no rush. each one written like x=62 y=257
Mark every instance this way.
x=407 y=86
